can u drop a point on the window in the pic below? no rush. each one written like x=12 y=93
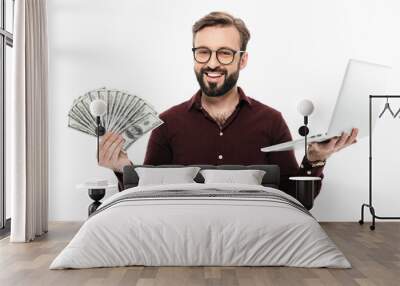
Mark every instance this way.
x=6 y=44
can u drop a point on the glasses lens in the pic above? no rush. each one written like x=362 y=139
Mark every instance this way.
x=202 y=55
x=225 y=56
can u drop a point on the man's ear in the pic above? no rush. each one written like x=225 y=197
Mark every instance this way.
x=243 y=60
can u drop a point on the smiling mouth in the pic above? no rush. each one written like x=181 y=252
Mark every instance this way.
x=213 y=76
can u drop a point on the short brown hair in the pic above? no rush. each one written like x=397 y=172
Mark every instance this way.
x=223 y=19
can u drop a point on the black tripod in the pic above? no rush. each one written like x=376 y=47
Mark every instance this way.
x=369 y=205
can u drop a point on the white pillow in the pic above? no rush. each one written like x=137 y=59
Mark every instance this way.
x=249 y=177
x=162 y=176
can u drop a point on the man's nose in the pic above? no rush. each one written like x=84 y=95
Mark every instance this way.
x=213 y=62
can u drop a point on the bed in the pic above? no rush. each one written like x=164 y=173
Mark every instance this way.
x=201 y=224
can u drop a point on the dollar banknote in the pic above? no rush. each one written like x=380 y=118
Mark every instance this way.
x=126 y=114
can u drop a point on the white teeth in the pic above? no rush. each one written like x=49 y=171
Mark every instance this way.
x=213 y=74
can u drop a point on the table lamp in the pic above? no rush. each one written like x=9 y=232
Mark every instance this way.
x=305 y=108
x=98 y=107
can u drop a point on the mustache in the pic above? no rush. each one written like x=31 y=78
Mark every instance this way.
x=204 y=70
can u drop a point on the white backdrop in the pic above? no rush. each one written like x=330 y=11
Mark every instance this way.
x=298 y=49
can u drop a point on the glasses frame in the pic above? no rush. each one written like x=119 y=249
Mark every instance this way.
x=216 y=54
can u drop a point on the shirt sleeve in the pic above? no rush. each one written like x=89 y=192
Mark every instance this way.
x=288 y=163
x=119 y=176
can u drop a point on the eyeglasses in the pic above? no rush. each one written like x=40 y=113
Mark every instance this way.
x=225 y=56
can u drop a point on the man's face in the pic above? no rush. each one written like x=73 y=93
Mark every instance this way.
x=217 y=79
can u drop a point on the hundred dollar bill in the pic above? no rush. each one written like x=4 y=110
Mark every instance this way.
x=111 y=110
x=132 y=133
x=80 y=117
x=72 y=123
x=83 y=105
x=129 y=113
x=120 y=96
x=79 y=121
x=139 y=114
x=122 y=116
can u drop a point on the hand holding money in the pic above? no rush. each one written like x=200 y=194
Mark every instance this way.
x=111 y=154
x=126 y=114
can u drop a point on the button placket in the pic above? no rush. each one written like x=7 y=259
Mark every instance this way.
x=220 y=156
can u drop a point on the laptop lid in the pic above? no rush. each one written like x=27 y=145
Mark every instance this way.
x=361 y=79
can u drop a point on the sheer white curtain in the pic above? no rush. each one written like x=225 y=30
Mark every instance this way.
x=28 y=121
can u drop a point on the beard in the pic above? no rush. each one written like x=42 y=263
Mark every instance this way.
x=212 y=89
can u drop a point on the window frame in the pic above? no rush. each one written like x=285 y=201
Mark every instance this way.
x=6 y=39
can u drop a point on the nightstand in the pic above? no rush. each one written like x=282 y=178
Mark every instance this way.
x=96 y=193
x=305 y=187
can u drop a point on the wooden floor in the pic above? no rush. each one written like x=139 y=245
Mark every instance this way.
x=374 y=255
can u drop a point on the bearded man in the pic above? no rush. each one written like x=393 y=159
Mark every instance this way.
x=219 y=124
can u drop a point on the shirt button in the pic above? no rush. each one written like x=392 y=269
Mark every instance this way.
x=220 y=133
x=220 y=157
x=308 y=172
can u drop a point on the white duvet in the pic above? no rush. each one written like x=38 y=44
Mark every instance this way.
x=182 y=231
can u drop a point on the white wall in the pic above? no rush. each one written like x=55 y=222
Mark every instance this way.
x=298 y=49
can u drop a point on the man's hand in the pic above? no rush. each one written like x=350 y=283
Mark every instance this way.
x=321 y=151
x=111 y=154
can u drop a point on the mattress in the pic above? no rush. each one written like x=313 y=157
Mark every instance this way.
x=201 y=225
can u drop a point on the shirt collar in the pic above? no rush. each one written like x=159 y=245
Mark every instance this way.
x=195 y=101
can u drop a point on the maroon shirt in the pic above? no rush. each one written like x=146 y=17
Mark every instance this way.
x=190 y=135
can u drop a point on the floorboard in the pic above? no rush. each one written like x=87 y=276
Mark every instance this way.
x=374 y=255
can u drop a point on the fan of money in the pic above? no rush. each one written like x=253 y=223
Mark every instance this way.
x=113 y=110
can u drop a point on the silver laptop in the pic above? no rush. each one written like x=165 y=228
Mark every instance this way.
x=361 y=79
